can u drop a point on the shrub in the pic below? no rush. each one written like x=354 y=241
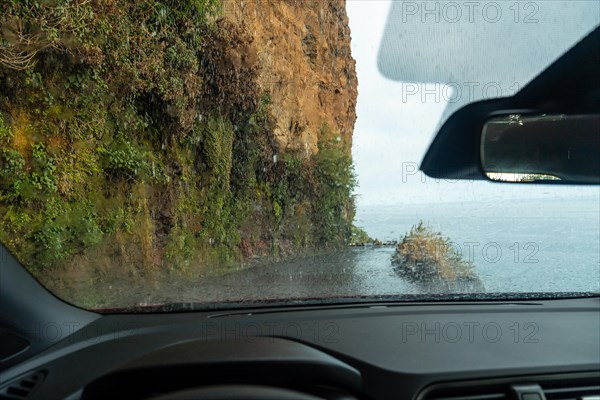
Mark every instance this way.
x=43 y=176
x=335 y=181
x=5 y=133
x=427 y=255
x=122 y=159
x=360 y=237
x=12 y=175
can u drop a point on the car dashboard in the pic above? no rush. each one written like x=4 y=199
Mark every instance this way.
x=526 y=350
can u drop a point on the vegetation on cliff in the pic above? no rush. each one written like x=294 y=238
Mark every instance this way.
x=426 y=257
x=134 y=140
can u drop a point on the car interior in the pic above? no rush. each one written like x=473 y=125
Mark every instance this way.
x=527 y=346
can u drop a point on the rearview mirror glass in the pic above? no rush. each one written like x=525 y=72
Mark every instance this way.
x=542 y=148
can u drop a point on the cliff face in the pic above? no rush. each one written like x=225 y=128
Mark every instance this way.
x=172 y=138
x=302 y=49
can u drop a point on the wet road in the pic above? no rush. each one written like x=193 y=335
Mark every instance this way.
x=521 y=247
x=355 y=271
x=358 y=271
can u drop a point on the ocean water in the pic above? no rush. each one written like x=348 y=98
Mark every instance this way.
x=526 y=245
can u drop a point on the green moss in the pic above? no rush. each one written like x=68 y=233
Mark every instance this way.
x=181 y=249
x=277 y=210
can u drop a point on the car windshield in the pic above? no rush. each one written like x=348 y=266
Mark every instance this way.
x=164 y=154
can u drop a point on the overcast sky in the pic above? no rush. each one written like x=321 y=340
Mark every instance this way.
x=393 y=129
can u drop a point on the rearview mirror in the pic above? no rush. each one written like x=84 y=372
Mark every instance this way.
x=548 y=132
x=537 y=148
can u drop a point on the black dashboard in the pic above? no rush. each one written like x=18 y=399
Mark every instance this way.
x=528 y=350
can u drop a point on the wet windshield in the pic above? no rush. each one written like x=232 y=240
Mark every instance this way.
x=216 y=152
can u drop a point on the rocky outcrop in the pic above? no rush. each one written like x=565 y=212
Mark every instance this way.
x=303 y=53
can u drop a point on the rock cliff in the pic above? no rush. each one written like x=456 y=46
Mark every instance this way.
x=302 y=49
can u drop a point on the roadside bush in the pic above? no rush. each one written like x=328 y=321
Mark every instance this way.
x=335 y=180
x=427 y=255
